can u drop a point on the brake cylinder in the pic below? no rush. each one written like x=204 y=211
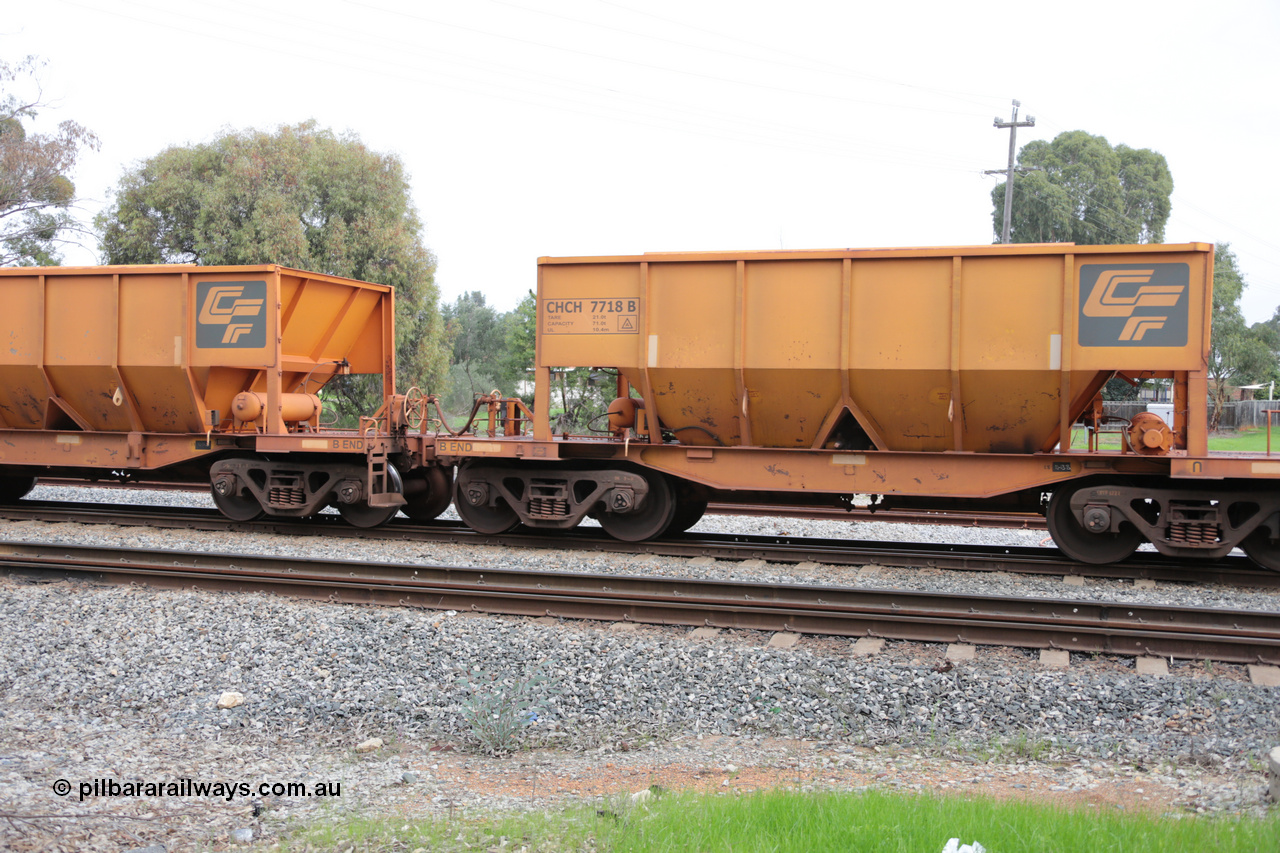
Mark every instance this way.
x=248 y=407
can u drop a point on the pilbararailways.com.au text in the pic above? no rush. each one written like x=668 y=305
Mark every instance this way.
x=193 y=788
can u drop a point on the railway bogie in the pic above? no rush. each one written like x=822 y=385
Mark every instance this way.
x=1104 y=521
x=630 y=503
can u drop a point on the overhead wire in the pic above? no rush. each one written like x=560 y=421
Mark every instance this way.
x=805 y=63
x=520 y=85
x=672 y=116
x=1247 y=252
x=594 y=55
x=809 y=61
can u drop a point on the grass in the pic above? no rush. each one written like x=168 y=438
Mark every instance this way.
x=788 y=822
x=1248 y=440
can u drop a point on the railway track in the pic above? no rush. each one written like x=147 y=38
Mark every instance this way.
x=1006 y=520
x=1233 y=570
x=1113 y=628
x=1003 y=520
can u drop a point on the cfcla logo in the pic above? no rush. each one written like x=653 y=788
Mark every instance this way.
x=1105 y=302
x=231 y=314
x=1121 y=299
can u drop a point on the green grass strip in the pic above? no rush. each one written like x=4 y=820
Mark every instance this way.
x=1248 y=440
x=789 y=822
x=783 y=822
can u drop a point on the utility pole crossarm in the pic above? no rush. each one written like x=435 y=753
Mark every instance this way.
x=1013 y=125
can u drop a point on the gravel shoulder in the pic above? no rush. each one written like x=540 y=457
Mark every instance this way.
x=111 y=683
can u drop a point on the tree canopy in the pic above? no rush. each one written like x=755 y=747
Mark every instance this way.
x=1082 y=190
x=474 y=331
x=35 y=193
x=1079 y=189
x=301 y=196
x=1238 y=354
x=489 y=349
x=519 y=330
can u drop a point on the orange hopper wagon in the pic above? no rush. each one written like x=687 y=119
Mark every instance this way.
x=196 y=374
x=929 y=378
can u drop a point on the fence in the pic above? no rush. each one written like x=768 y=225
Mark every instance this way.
x=1126 y=409
x=1244 y=414
x=1238 y=414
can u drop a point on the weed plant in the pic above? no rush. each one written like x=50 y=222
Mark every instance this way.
x=498 y=711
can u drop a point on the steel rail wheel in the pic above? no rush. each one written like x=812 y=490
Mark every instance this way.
x=486 y=519
x=237 y=507
x=691 y=505
x=479 y=502
x=434 y=496
x=650 y=519
x=1081 y=544
x=1262 y=549
x=363 y=514
x=15 y=488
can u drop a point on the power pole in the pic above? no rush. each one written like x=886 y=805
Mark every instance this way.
x=1013 y=126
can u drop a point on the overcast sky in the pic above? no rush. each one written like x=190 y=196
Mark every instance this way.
x=587 y=127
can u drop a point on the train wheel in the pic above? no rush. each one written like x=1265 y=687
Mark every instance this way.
x=489 y=520
x=1262 y=549
x=237 y=507
x=691 y=504
x=1083 y=545
x=479 y=504
x=651 y=519
x=15 y=488
x=362 y=514
x=434 y=498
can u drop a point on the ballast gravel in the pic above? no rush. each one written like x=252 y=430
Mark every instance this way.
x=115 y=683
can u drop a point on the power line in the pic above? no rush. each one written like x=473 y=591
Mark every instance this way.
x=809 y=61
x=1013 y=125
x=572 y=96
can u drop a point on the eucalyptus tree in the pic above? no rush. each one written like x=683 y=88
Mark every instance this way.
x=301 y=196
x=36 y=194
x=1079 y=189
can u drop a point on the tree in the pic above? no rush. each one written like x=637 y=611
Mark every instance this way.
x=474 y=330
x=1120 y=390
x=302 y=197
x=1238 y=354
x=490 y=350
x=1081 y=190
x=35 y=193
x=1268 y=331
x=1085 y=191
x=520 y=326
x=497 y=351
x=579 y=396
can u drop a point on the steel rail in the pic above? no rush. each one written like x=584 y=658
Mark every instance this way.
x=1232 y=570
x=1082 y=626
x=1009 y=520
x=1002 y=520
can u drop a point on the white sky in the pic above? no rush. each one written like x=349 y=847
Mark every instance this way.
x=586 y=127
